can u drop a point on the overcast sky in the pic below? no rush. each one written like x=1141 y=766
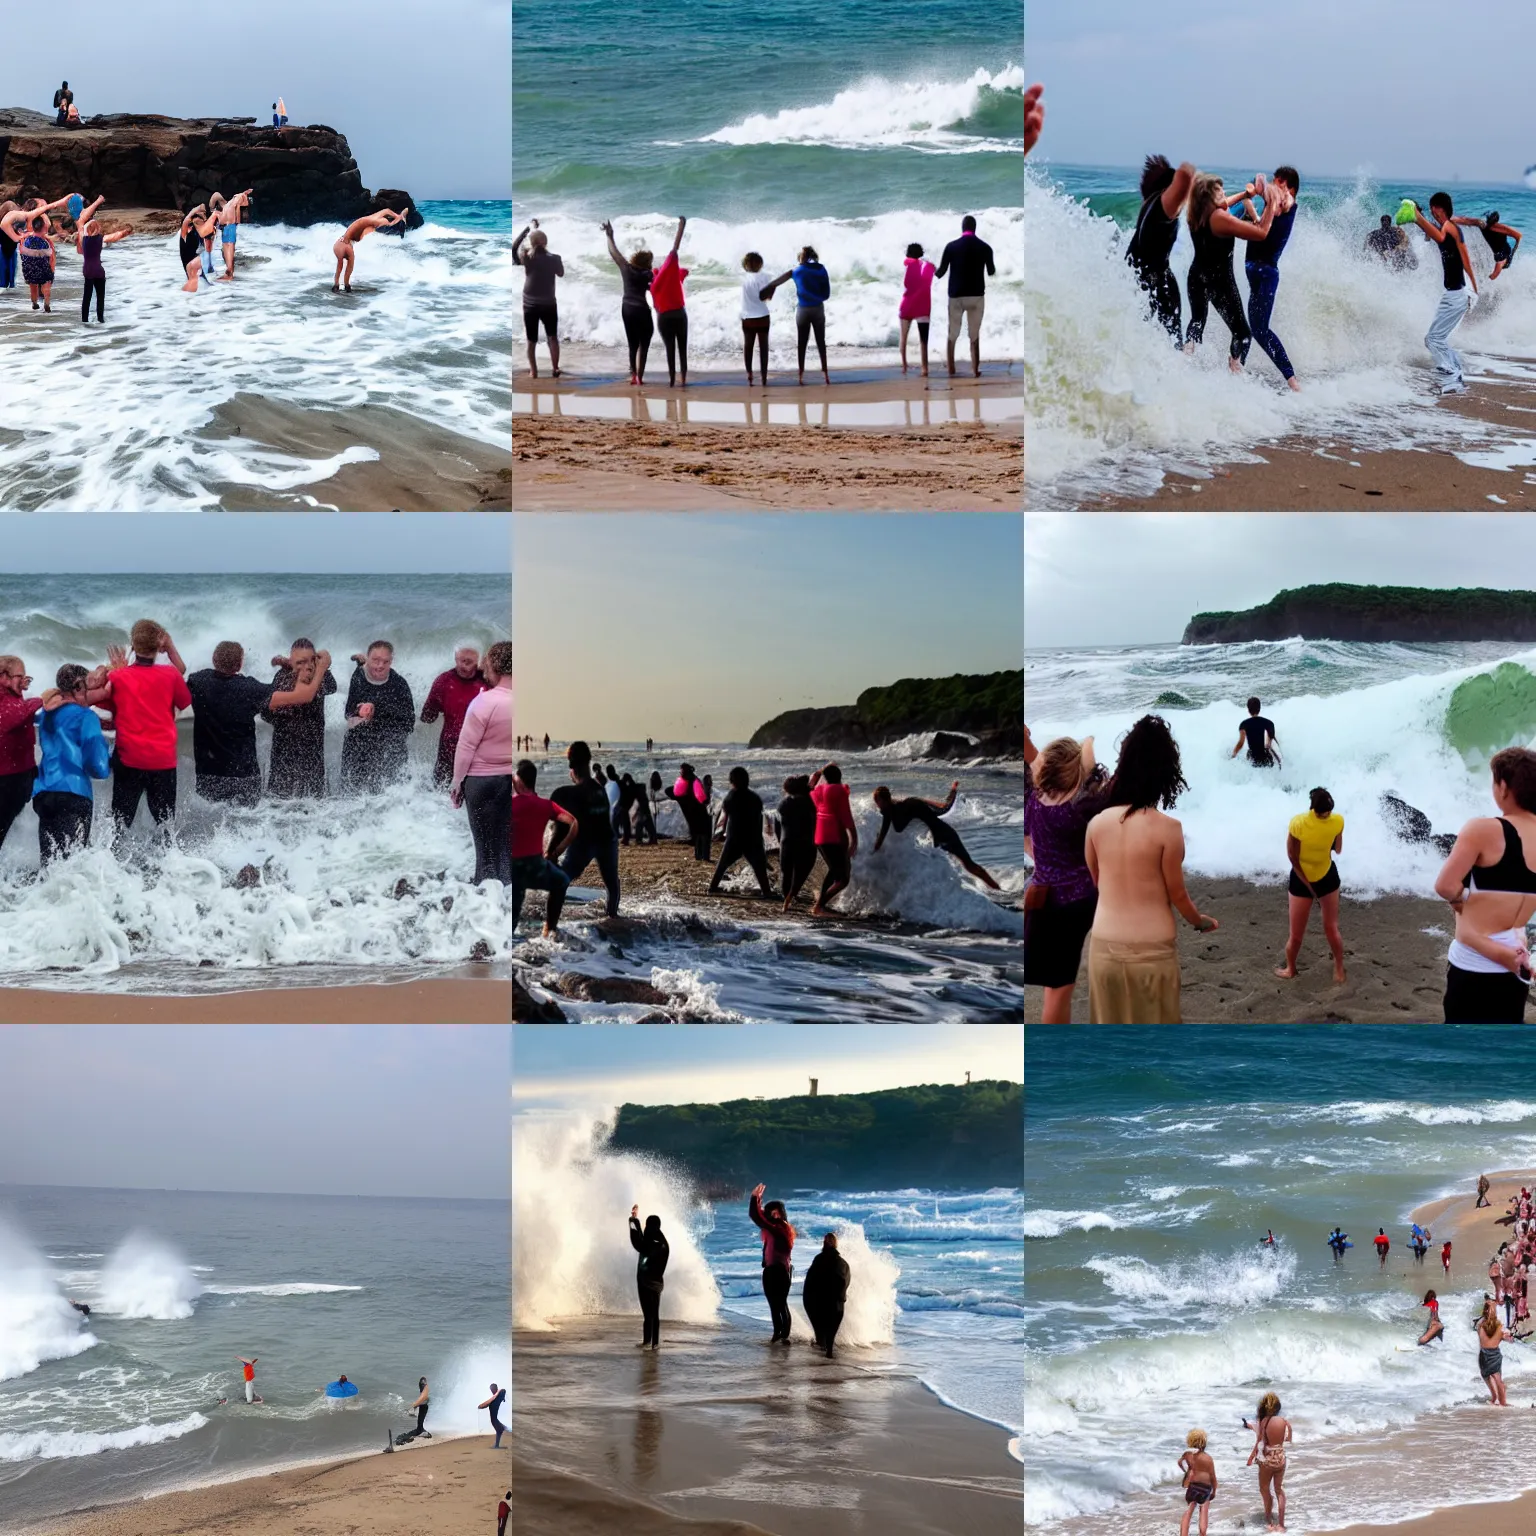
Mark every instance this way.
x=1130 y=578
x=696 y=627
x=423 y=93
x=271 y=1108
x=1404 y=88
x=606 y=1065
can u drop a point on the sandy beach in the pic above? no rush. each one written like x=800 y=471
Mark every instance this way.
x=449 y=1487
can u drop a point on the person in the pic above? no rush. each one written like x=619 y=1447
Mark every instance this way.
x=229 y=229
x=1434 y=1328
x=482 y=768
x=1338 y=1241
x=296 y=765
x=82 y=1307
x=1490 y=1358
x=1490 y=884
x=1497 y=236
x=1200 y=1483
x=541 y=268
x=640 y=810
x=189 y=246
x=1312 y=839
x=968 y=261
x=1215 y=233
x=1034 y=116
x=837 y=838
x=1456 y=299
x=89 y=241
x=144 y=699
x=1063 y=790
x=248 y=1368
x=345 y=249
x=812 y=290
x=63 y=100
x=650 y=1268
x=778 y=1268
x=634 y=309
x=691 y=798
x=916 y=301
x=756 y=314
x=503 y=1513
x=380 y=716
x=593 y=840
x=741 y=819
x=1445 y=1256
x=1390 y=244
x=420 y=1406
x=73 y=751
x=1271 y=1435
x=449 y=697
x=1257 y=733
x=532 y=869
x=39 y=261
x=72 y=117
x=609 y=778
x=1383 y=1245
x=1263 y=268
x=225 y=704
x=902 y=813
x=18 y=742
x=546 y=741
x=1482 y=1180
x=1164 y=192
x=1268 y=1240
x=824 y=1293
x=796 y=817
x=493 y=1402
x=671 y=310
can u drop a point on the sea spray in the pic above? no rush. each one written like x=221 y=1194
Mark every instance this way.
x=869 y=1311
x=464 y=1382
x=146 y=1278
x=37 y=1322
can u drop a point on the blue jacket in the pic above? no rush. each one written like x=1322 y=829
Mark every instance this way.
x=812 y=285
x=74 y=751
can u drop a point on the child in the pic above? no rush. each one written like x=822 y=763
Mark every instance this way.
x=1434 y=1328
x=756 y=316
x=916 y=301
x=1199 y=1480
x=1445 y=1257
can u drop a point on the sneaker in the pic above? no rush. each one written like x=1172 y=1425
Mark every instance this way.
x=1452 y=389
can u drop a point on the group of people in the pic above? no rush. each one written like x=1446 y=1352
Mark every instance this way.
x=53 y=744
x=653 y=301
x=593 y=813
x=824 y=1293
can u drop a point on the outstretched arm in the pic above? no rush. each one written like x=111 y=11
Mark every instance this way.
x=941 y=806
x=90 y=209
x=677 y=239
x=613 y=249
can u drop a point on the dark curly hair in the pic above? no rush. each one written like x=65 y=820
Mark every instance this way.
x=1147 y=773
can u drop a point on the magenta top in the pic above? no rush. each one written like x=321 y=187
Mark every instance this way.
x=917 y=289
x=1057 y=834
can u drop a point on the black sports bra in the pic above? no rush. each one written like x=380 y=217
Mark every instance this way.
x=1511 y=873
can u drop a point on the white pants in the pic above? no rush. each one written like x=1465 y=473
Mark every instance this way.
x=250 y=1391
x=1454 y=303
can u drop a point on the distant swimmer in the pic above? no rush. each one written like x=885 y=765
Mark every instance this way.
x=83 y=1308
x=1445 y=1257
x=249 y=1371
x=1338 y=1241
x=902 y=813
x=1498 y=237
x=1383 y=1245
x=1199 y=1480
x=1268 y=1240
x=1434 y=1328
x=1457 y=299
x=345 y=249
x=494 y=1403
x=1258 y=734
x=1164 y=191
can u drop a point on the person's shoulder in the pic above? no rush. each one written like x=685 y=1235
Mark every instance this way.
x=1298 y=823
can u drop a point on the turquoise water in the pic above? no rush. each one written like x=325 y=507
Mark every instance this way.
x=492 y=217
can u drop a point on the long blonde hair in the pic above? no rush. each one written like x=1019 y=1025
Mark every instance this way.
x=1058 y=770
x=1206 y=194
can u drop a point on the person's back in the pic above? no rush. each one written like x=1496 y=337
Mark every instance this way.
x=1135 y=850
x=73 y=751
x=541 y=268
x=743 y=810
x=587 y=801
x=797 y=820
x=224 y=710
x=834 y=814
x=968 y=260
x=145 y=698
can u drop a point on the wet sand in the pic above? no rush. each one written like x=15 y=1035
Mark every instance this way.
x=443 y=1489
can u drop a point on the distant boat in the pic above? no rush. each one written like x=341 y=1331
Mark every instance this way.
x=1530 y=177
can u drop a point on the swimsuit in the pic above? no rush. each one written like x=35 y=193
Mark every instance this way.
x=1490 y=1362
x=228 y=233
x=36 y=265
x=1199 y=1493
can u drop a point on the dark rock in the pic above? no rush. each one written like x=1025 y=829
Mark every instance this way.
x=480 y=950
x=1411 y=825
x=249 y=875
x=527 y=1009
x=403 y=888
x=950 y=747
x=1341 y=611
x=447 y=903
x=608 y=989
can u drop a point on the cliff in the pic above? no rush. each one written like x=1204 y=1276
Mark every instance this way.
x=1341 y=612
x=935 y=1136
x=987 y=706
x=297 y=175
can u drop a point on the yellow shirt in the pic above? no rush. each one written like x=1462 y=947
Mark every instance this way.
x=1316 y=835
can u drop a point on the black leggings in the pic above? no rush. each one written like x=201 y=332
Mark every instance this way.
x=488 y=799
x=15 y=792
x=839 y=868
x=796 y=861
x=673 y=325
x=808 y=318
x=130 y=785
x=606 y=853
x=650 y=1310
x=63 y=823
x=1484 y=997
x=99 y=286
x=752 y=332
x=1218 y=288
x=638 y=330
x=754 y=855
x=776 y=1289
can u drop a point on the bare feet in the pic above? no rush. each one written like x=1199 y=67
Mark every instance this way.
x=1338 y=975
x=1292 y=385
x=1286 y=972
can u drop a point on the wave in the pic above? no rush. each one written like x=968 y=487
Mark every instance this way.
x=288 y=1288
x=145 y=1278
x=1044 y=1223
x=36 y=1321
x=54 y=1445
x=1240 y=1279
x=464 y=1381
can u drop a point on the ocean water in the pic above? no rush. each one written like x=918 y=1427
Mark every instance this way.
x=153 y=916
x=1157 y=1160
x=935 y=1287
x=1360 y=719
x=932 y=944
x=856 y=128
x=182 y=1284
x=1112 y=405
x=110 y=418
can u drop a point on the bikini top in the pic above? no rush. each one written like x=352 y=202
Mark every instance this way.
x=1511 y=873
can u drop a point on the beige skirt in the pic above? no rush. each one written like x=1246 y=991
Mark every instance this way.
x=1133 y=983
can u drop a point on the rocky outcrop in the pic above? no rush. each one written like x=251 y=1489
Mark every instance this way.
x=296 y=175
x=1342 y=612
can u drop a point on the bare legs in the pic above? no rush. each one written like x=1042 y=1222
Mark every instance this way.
x=1056 y=1007
x=346 y=259
x=1301 y=912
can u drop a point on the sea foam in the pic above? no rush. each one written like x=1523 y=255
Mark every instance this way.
x=36 y=1321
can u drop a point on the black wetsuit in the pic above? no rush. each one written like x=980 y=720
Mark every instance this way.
x=743 y=837
x=904 y=812
x=1499 y=245
x=588 y=803
x=824 y=1294
x=797 y=842
x=1255 y=728
x=1211 y=282
x=1151 y=244
x=696 y=815
x=635 y=312
x=377 y=753
x=654 y=1251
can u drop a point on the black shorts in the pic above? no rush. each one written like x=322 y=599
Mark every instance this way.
x=1484 y=997
x=547 y=314
x=1324 y=887
x=757 y=324
x=1054 y=936
x=945 y=837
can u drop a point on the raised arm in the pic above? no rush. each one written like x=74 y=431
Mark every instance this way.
x=634 y=1234
x=90 y=209
x=941 y=806
x=677 y=239
x=1177 y=190
x=613 y=249
x=302 y=693
x=522 y=235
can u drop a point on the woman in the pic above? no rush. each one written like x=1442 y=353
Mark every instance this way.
x=634 y=311
x=651 y=1244
x=1434 y=1328
x=7 y=248
x=812 y=290
x=1135 y=854
x=671 y=315
x=1311 y=842
x=1214 y=233
x=38 y=261
x=189 y=244
x=1488 y=975
x=1271 y=1435
x=1063 y=789
x=778 y=1259
x=755 y=313
x=916 y=301
x=482 y=767
x=837 y=838
x=89 y=241
x=1490 y=1358
x=796 y=830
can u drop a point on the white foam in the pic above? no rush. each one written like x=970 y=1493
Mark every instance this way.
x=36 y=1321
x=54 y=1445
x=289 y=1288
x=1241 y=1279
x=1041 y=1223
x=465 y=1382
x=146 y=1278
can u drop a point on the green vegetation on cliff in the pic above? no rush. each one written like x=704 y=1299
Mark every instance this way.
x=1339 y=611
x=968 y=1136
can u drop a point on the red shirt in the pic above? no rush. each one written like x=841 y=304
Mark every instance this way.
x=450 y=696
x=18 y=736
x=667 y=285
x=144 y=703
x=778 y=1235
x=833 y=812
x=250 y=1372
x=1381 y=1242
x=530 y=815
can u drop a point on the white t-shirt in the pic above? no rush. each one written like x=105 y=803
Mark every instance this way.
x=752 y=307
x=612 y=790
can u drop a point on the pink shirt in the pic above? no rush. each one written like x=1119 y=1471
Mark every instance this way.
x=833 y=812
x=917 y=289
x=485 y=742
x=680 y=789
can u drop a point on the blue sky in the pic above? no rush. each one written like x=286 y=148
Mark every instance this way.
x=697 y=627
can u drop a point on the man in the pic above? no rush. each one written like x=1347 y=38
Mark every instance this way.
x=825 y=1293
x=778 y=1268
x=1383 y=1245
x=380 y=716
x=296 y=770
x=902 y=813
x=532 y=868
x=1164 y=191
x=144 y=699
x=587 y=801
x=74 y=751
x=345 y=249
x=1497 y=236
x=969 y=263
x=1456 y=300
x=18 y=741
x=248 y=1370
x=541 y=267
x=493 y=1402
x=448 y=698
x=229 y=230
x=741 y=820
x=1258 y=735
x=1391 y=245
x=63 y=100
x=224 y=708
x=1263 y=269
